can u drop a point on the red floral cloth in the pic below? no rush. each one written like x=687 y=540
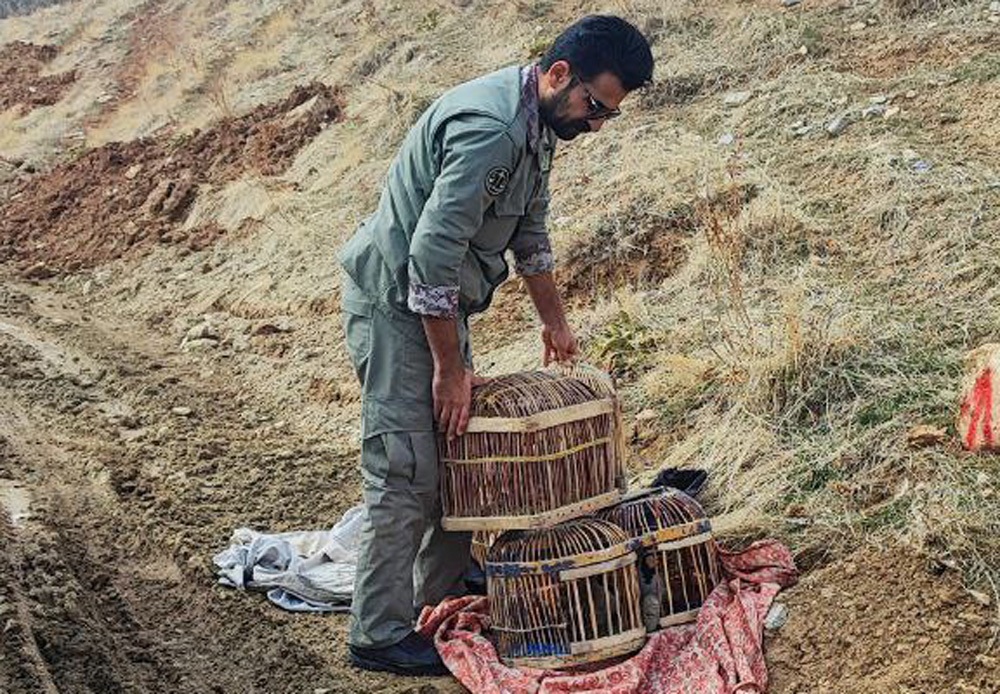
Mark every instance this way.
x=720 y=653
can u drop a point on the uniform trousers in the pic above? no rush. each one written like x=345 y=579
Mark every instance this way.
x=405 y=559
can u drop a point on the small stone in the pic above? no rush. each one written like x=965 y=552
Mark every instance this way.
x=202 y=344
x=982 y=598
x=800 y=128
x=133 y=171
x=803 y=50
x=271 y=328
x=858 y=26
x=921 y=166
x=947 y=118
x=182 y=411
x=200 y=331
x=791 y=3
x=873 y=111
x=837 y=126
x=646 y=415
x=737 y=98
x=777 y=616
x=995 y=6
x=727 y=139
x=878 y=99
x=924 y=435
x=891 y=112
x=912 y=94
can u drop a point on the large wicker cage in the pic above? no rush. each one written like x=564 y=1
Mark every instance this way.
x=541 y=447
x=678 y=558
x=564 y=596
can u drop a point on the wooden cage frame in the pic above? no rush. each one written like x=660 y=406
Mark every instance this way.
x=564 y=596
x=672 y=525
x=541 y=447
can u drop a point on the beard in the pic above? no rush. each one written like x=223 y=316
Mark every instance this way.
x=552 y=112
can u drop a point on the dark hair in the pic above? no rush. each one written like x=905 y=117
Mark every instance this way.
x=603 y=43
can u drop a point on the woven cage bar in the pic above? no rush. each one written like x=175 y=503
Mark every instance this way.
x=678 y=557
x=564 y=596
x=541 y=447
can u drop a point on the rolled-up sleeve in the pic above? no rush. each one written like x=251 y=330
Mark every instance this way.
x=530 y=244
x=477 y=157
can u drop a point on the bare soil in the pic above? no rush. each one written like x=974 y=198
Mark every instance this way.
x=20 y=82
x=127 y=197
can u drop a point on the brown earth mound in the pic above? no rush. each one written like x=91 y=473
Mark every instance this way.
x=129 y=195
x=883 y=621
x=639 y=250
x=20 y=82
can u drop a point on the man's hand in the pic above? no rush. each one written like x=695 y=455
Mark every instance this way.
x=560 y=344
x=452 y=390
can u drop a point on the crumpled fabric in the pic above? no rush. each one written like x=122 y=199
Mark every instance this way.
x=721 y=653
x=309 y=571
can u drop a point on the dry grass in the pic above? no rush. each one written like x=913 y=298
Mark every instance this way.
x=820 y=292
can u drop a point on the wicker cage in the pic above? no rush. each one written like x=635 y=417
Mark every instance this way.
x=678 y=558
x=564 y=596
x=541 y=447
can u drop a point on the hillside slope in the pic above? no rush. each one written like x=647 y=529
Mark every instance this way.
x=783 y=250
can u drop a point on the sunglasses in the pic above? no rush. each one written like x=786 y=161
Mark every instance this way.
x=595 y=109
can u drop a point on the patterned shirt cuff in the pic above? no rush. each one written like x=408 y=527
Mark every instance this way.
x=534 y=261
x=437 y=302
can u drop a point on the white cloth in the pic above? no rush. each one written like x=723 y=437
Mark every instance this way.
x=302 y=571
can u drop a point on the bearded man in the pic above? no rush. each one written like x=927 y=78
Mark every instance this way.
x=469 y=183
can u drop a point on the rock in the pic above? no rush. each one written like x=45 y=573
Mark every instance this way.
x=875 y=110
x=646 y=415
x=200 y=331
x=800 y=128
x=837 y=126
x=982 y=598
x=858 y=26
x=878 y=99
x=995 y=6
x=924 y=435
x=790 y=3
x=777 y=616
x=947 y=118
x=921 y=166
x=727 y=139
x=912 y=94
x=733 y=99
x=133 y=171
x=201 y=344
x=182 y=411
x=891 y=112
x=271 y=328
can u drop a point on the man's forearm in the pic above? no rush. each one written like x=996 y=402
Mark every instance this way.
x=442 y=336
x=545 y=296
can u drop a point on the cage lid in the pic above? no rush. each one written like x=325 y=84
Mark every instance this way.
x=651 y=512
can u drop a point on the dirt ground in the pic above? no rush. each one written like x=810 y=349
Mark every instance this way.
x=165 y=380
x=106 y=584
x=116 y=503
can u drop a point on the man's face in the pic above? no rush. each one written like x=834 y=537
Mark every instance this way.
x=571 y=107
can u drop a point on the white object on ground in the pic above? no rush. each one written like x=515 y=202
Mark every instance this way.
x=309 y=571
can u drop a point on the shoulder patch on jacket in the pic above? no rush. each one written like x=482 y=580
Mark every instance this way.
x=497 y=179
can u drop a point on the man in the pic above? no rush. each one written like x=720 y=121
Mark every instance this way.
x=469 y=183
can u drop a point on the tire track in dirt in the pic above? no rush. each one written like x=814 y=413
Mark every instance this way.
x=131 y=499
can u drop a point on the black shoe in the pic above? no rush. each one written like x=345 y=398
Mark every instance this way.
x=414 y=655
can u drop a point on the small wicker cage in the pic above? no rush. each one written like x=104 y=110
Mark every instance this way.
x=677 y=552
x=541 y=447
x=564 y=596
